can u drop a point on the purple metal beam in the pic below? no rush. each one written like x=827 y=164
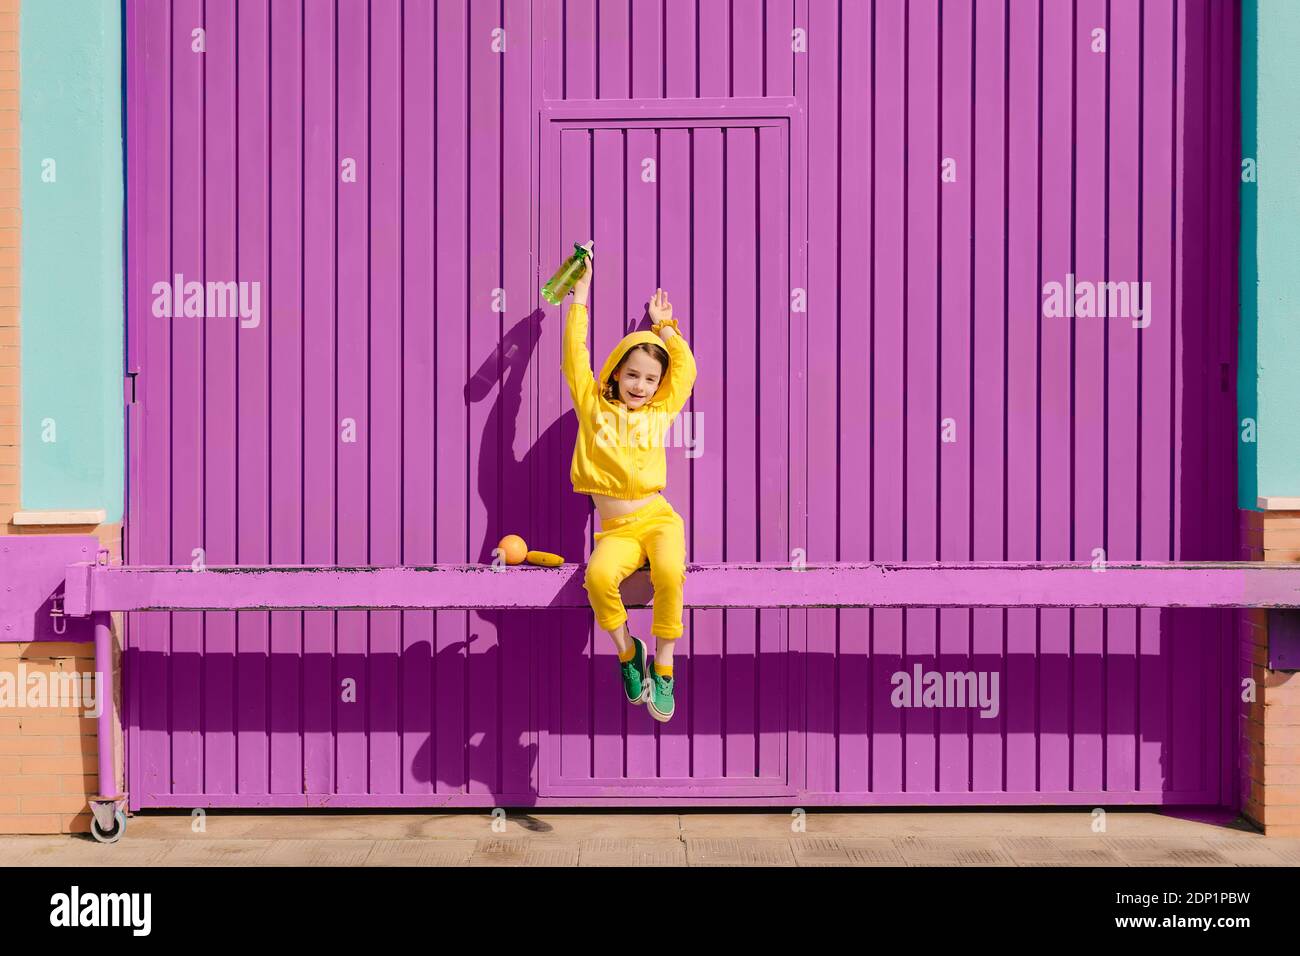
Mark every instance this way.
x=92 y=588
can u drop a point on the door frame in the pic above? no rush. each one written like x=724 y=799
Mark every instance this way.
x=787 y=115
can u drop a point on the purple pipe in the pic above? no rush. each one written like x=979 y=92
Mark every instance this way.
x=104 y=672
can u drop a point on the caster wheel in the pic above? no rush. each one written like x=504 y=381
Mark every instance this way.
x=109 y=836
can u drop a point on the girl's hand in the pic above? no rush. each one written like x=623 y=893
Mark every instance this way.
x=660 y=308
x=583 y=283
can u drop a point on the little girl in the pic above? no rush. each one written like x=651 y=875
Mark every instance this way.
x=618 y=459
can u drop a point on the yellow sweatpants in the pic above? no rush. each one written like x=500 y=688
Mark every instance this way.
x=653 y=531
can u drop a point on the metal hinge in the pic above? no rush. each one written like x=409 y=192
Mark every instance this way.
x=128 y=388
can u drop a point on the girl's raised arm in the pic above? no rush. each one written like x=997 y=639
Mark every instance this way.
x=682 y=377
x=576 y=363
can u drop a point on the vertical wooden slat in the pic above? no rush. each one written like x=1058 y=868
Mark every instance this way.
x=1023 y=318
x=516 y=401
x=953 y=373
x=989 y=436
x=451 y=465
x=355 y=420
x=715 y=51
x=1189 y=628
x=888 y=402
x=613 y=52
x=187 y=388
x=920 y=365
x=645 y=45
x=578 y=44
x=384 y=300
x=641 y=272
x=1226 y=54
x=483 y=250
x=708 y=667
x=675 y=239
x=1214 y=625
x=419 y=419
x=1158 y=195
x=1055 y=355
x=746 y=30
x=576 y=695
x=154 y=393
x=1123 y=207
x=833 y=717
x=321 y=190
x=598 y=169
x=1089 y=387
x=740 y=265
x=681 y=51
x=704 y=690
x=255 y=251
x=797 y=503
x=284 y=318
x=775 y=437
x=550 y=68
x=221 y=391
x=780 y=65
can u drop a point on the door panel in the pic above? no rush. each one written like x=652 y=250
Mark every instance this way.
x=701 y=208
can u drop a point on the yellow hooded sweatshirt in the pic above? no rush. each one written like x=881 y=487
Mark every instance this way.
x=620 y=453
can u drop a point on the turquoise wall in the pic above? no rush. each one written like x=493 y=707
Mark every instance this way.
x=1247 y=345
x=72 y=241
x=1269 y=383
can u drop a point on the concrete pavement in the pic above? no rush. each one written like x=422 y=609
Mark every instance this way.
x=636 y=838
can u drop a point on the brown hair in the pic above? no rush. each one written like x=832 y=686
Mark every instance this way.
x=656 y=352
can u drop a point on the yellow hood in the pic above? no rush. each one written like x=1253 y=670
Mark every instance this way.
x=616 y=356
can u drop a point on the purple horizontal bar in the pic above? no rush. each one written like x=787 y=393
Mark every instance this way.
x=101 y=588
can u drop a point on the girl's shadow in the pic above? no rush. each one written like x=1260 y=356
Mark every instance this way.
x=524 y=488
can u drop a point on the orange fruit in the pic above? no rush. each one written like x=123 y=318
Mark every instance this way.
x=513 y=549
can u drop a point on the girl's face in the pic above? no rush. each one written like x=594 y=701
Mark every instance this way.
x=638 y=378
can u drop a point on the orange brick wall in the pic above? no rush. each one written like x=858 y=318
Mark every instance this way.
x=1270 y=758
x=47 y=754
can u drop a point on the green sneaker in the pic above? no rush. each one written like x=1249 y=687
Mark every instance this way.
x=661 y=697
x=636 y=680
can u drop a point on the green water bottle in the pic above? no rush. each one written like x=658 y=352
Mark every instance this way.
x=570 y=271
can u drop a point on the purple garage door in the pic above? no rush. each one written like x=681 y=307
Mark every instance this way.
x=856 y=209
